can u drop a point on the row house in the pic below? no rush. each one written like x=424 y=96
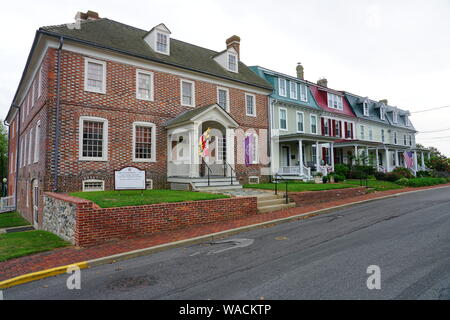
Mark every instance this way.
x=98 y=95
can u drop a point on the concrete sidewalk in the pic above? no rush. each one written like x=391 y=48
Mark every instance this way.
x=110 y=252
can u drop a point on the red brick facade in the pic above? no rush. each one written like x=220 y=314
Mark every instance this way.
x=121 y=108
x=95 y=225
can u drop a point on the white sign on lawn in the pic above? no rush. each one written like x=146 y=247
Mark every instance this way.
x=129 y=178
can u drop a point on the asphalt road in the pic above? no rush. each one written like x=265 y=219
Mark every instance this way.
x=325 y=257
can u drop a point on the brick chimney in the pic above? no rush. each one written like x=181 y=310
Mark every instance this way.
x=234 y=42
x=323 y=82
x=384 y=101
x=300 y=71
x=90 y=15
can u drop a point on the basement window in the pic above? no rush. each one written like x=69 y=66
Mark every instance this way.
x=93 y=185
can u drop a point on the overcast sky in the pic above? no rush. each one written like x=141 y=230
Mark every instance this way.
x=396 y=50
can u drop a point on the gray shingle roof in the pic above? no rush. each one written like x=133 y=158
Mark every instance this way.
x=127 y=39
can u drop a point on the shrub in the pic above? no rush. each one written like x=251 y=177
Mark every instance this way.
x=367 y=170
x=423 y=174
x=393 y=176
x=325 y=179
x=341 y=169
x=404 y=172
x=421 y=182
x=380 y=175
x=339 y=177
x=438 y=163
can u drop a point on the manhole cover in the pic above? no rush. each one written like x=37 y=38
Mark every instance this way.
x=128 y=283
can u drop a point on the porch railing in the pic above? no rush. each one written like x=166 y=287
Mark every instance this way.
x=208 y=170
x=294 y=170
x=7 y=204
x=226 y=164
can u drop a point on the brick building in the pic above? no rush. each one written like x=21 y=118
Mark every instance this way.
x=98 y=95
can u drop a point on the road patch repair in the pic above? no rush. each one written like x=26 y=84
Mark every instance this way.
x=22 y=270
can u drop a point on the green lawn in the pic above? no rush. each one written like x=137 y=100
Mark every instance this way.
x=18 y=244
x=378 y=185
x=12 y=219
x=109 y=199
x=300 y=186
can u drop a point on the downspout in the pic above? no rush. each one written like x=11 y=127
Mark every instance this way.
x=57 y=122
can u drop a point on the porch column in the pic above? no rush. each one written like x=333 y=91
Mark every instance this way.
x=195 y=172
x=377 y=159
x=423 y=160
x=415 y=160
x=317 y=156
x=429 y=155
x=388 y=161
x=300 y=155
x=332 y=155
x=396 y=158
x=230 y=150
x=356 y=154
x=367 y=160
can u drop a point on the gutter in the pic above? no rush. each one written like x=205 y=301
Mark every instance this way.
x=57 y=124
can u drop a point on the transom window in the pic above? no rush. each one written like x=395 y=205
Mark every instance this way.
x=95 y=76
x=282 y=87
x=250 y=104
x=143 y=141
x=161 y=42
x=187 y=93
x=144 y=85
x=335 y=101
x=293 y=87
x=93 y=138
x=232 y=62
x=283 y=118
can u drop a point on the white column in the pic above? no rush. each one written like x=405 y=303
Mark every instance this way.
x=377 y=159
x=230 y=150
x=300 y=155
x=396 y=158
x=356 y=154
x=194 y=151
x=388 y=161
x=332 y=155
x=317 y=157
x=415 y=160
x=423 y=160
x=429 y=155
x=367 y=156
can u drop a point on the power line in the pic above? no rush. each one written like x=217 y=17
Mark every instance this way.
x=431 y=109
x=432 y=131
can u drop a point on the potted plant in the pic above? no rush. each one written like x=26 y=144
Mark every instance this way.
x=318 y=177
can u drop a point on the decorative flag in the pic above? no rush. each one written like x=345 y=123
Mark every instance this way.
x=203 y=145
x=409 y=160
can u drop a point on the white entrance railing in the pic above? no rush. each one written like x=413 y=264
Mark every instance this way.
x=294 y=171
x=7 y=204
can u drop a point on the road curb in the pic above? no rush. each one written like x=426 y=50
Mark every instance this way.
x=209 y=237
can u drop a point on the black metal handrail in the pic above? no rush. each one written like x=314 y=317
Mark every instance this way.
x=232 y=170
x=209 y=171
x=286 y=196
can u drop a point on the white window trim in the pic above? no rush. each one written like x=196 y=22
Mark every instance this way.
x=254 y=105
x=228 y=97
x=86 y=88
x=340 y=101
x=167 y=52
x=279 y=120
x=366 y=109
x=362 y=132
x=306 y=92
x=293 y=84
x=303 y=117
x=193 y=93
x=80 y=138
x=138 y=71
x=382 y=135
x=228 y=62
x=311 y=123
x=93 y=180
x=285 y=87
x=394 y=137
x=395 y=117
x=153 y=137
x=37 y=141
x=30 y=148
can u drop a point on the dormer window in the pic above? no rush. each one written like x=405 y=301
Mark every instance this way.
x=162 y=43
x=232 y=62
x=335 y=101
x=395 y=116
x=382 y=114
x=407 y=121
x=366 y=108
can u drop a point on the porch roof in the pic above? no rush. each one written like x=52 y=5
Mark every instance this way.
x=356 y=142
x=307 y=136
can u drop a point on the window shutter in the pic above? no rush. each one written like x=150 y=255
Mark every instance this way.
x=340 y=129
x=329 y=127
x=333 y=132
x=346 y=128
x=323 y=125
x=351 y=130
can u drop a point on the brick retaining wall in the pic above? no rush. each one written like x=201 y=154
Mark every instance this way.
x=95 y=225
x=306 y=198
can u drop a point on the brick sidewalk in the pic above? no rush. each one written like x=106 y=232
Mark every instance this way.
x=59 y=257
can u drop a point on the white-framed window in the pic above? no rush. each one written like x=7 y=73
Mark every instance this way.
x=144 y=142
x=395 y=137
x=303 y=93
x=30 y=145
x=232 y=62
x=349 y=130
x=95 y=75
x=93 y=185
x=407 y=121
x=250 y=104
x=337 y=128
x=370 y=134
x=404 y=140
x=382 y=113
x=313 y=120
x=144 y=85
x=187 y=93
x=93 y=139
x=223 y=98
x=162 y=43
x=410 y=140
x=335 y=101
x=37 y=142
x=282 y=87
x=293 y=90
x=395 y=116
x=366 y=108
x=300 y=121
x=362 y=132
x=282 y=112
x=326 y=127
x=382 y=135
x=253 y=148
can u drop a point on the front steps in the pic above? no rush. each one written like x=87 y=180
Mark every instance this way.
x=273 y=202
